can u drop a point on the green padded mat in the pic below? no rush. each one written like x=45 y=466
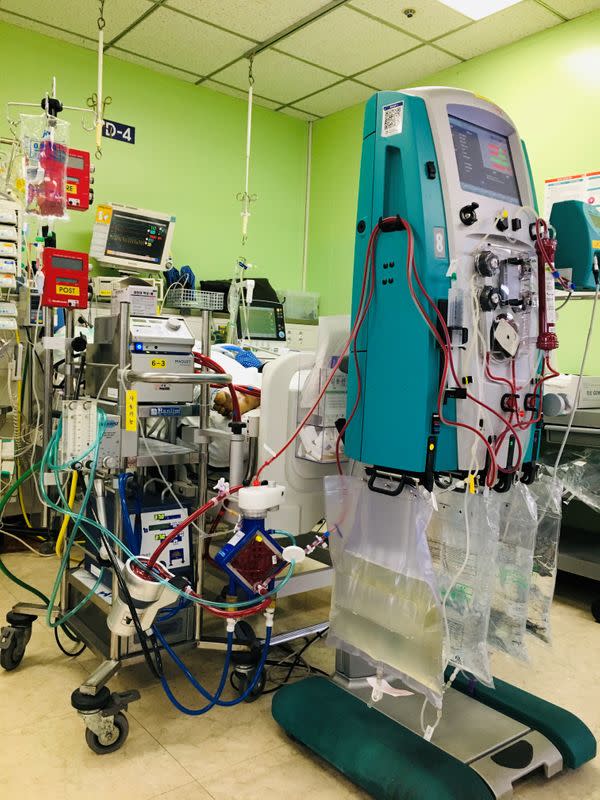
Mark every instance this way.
x=384 y=758
x=567 y=732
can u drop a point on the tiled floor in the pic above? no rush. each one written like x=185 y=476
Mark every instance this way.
x=238 y=753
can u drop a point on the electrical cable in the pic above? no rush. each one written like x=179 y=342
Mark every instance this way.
x=361 y=316
x=154 y=665
x=18 y=410
x=48 y=454
x=351 y=337
x=12 y=535
x=3 y=568
x=7 y=572
x=69 y=653
x=565 y=301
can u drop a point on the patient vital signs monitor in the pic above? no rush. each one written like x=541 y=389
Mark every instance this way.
x=452 y=167
x=131 y=239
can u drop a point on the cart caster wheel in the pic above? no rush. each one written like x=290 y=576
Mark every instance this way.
x=13 y=641
x=595 y=608
x=12 y=655
x=110 y=741
x=240 y=680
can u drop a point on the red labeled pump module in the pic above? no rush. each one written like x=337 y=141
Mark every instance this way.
x=79 y=180
x=65 y=278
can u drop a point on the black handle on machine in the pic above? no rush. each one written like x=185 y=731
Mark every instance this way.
x=389 y=492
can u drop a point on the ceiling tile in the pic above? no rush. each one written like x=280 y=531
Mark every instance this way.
x=258 y=19
x=183 y=42
x=278 y=76
x=79 y=16
x=233 y=92
x=345 y=94
x=431 y=19
x=38 y=27
x=118 y=52
x=295 y=112
x=346 y=41
x=502 y=28
x=573 y=8
x=405 y=70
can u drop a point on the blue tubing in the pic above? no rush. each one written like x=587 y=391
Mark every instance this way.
x=257 y=674
x=213 y=700
x=195 y=712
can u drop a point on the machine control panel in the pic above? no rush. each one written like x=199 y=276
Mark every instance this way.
x=149 y=334
x=65 y=278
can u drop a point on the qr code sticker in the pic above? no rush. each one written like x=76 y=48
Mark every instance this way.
x=392 y=119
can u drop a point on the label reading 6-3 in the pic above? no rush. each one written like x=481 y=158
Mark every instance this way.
x=158 y=363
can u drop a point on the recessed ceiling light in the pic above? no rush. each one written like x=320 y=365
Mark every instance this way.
x=478 y=9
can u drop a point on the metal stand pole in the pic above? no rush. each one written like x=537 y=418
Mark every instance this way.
x=69 y=335
x=48 y=323
x=124 y=358
x=202 y=466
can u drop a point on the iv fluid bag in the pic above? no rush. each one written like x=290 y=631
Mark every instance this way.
x=385 y=607
x=548 y=495
x=513 y=573
x=45 y=143
x=468 y=595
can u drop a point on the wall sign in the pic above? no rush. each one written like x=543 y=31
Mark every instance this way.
x=118 y=131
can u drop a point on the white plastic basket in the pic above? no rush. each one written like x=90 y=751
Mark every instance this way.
x=196 y=298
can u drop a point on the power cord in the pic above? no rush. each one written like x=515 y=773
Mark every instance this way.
x=297 y=662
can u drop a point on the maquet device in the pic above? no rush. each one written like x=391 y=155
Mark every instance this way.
x=65 y=278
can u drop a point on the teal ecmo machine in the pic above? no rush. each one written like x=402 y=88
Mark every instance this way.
x=453 y=167
x=577 y=226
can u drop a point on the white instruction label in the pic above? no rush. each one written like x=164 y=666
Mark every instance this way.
x=393 y=117
x=236 y=538
x=550 y=299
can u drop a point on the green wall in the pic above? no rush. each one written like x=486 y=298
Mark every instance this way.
x=548 y=83
x=188 y=158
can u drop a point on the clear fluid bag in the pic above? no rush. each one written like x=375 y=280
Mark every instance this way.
x=514 y=566
x=463 y=541
x=548 y=495
x=581 y=477
x=385 y=607
x=45 y=144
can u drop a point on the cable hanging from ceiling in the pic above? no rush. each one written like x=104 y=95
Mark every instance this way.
x=246 y=197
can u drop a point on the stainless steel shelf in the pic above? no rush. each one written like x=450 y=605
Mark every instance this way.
x=153 y=451
x=579 y=553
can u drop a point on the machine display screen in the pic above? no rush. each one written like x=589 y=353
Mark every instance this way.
x=63 y=262
x=76 y=162
x=485 y=164
x=136 y=237
x=262 y=323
